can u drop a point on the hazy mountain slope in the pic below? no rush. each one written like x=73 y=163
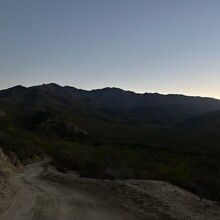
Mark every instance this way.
x=206 y=122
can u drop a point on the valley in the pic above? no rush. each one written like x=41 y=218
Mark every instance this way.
x=128 y=145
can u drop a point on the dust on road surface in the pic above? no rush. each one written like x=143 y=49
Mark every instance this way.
x=36 y=198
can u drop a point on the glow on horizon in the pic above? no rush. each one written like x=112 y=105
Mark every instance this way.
x=137 y=90
x=168 y=47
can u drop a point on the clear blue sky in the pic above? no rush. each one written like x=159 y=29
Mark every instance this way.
x=165 y=46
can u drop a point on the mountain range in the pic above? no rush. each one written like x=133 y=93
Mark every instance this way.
x=116 y=134
x=109 y=104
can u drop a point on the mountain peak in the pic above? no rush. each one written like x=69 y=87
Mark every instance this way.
x=18 y=87
x=51 y=85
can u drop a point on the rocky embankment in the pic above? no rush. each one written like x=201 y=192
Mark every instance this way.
x=9 y=164
x=152 y=199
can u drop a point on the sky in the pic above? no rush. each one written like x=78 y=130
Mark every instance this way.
x=164 y=46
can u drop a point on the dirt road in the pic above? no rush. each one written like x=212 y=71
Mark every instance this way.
x=36 y=198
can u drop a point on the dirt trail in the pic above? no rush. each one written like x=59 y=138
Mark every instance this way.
x=36 y=198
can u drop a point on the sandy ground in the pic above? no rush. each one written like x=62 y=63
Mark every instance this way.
x=41 y=192
x=176 y=202
x=35 y=198
x=153 y=199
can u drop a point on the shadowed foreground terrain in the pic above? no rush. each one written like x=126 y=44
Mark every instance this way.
x=39 y=199
x=41 y=192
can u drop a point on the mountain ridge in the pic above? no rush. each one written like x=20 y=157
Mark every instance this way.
x=107 y=88
x=110 y=103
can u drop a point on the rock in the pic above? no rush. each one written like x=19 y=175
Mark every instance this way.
x=9 y=163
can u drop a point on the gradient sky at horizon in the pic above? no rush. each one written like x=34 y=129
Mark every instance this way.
x=164 y=46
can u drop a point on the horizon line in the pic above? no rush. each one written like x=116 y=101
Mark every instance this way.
x=110 y=87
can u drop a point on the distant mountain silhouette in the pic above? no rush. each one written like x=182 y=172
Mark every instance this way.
x=111 y=104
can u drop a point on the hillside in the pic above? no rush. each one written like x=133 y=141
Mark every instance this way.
x=205 y=122
x=115 y=134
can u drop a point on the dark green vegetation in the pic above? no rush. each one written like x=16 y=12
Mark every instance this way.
x=115 y=134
